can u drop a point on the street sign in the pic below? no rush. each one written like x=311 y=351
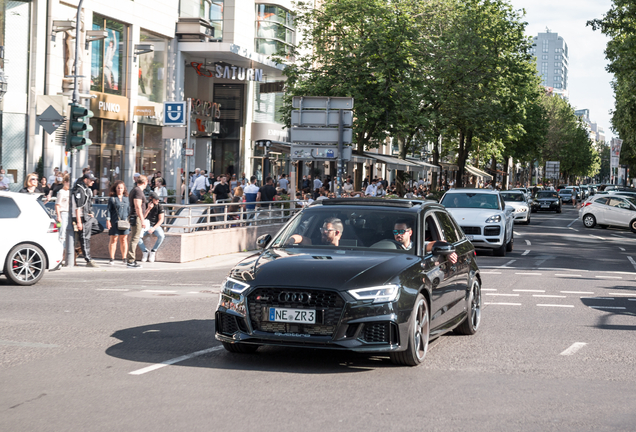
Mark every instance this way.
x=174 y=113
x=552 y=169
x=314 y=153
x=320 y=118
x=172 y=132
x=319 y=135
x=322 y=102
x=51 y=120
x=187 y=152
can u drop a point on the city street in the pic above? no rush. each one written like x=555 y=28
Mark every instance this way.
x=119 y=349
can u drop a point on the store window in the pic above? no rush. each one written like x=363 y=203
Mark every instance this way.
x=268 y=103
x=275 y=30
x=108 y=57
x=106 y=154
x=216 y=18
x=149 y=158
x=152 y=68
x=226 y=148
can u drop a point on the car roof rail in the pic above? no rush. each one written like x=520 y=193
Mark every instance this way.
x=371 y=202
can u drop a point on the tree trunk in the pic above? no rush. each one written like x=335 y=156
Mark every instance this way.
x=465 y=143
x=434 y=177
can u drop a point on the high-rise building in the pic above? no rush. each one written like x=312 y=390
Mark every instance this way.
x=551 y=52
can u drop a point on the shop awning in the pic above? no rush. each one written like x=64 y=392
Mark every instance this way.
x=356 y=158
x=393 y=162
x=477 y=172
x=426 y=166
x=449 y=167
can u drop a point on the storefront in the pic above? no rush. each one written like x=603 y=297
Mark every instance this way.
x=107 y=154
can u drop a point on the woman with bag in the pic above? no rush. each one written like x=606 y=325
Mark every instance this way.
x=117 y=220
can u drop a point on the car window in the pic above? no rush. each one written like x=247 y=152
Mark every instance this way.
x=8 y=208
x=470 y=200
x=514 y=197
x=601 y=200
x=618 y=203
x=448 y=229
x=547 y=195
x=431 y=230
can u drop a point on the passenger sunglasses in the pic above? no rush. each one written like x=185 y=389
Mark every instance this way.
x=326 y=230
x=400 y=232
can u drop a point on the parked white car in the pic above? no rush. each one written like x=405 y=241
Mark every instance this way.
x=484 y=217
x=517 y=200
x=30 y=239
x=609 y=210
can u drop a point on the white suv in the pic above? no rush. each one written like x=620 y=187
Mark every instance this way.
x=30 y=239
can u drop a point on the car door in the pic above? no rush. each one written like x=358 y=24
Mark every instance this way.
x=437 y=274
x=618 y=212
x=9 y=226
x=465 y=253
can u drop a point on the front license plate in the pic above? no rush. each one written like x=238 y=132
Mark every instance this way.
x=470 y=238
x=545 y=206
x=300 y=316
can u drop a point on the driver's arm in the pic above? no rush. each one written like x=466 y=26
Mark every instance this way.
x=298 y=239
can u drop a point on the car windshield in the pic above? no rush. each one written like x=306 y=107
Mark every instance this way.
x=470 y=200
x=352 y=227
x=631 y=200
x=515 y=197
x=566 y=192
x=547 y=195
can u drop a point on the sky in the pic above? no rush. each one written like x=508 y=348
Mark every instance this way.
x=589 y=82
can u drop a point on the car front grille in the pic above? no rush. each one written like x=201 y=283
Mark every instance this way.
x=230 y=324
x=327 y=304
x=492 y=231
x=380 y=332
x=472 y=230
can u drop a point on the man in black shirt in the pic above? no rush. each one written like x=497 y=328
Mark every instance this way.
x=82 y=214
x=222 y=190
x=267 y=192
x=138 y=213
x=155 y=217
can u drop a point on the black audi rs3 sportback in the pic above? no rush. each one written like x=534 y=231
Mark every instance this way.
x=363 y=274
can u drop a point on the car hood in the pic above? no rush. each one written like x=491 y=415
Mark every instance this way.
x=473 y=215
x=515 y=204
x=307 y=267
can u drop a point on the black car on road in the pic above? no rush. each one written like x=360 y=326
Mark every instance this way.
x=548 y=201
x=568 y=196
x=364 y=274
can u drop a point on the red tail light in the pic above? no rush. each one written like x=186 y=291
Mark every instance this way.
x=52 y=228
x=585 y=204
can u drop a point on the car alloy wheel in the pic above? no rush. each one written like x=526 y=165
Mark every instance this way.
x=25 y=264
x=632 y=226
x=470 y=325
x=589 y=221
x=419 y=334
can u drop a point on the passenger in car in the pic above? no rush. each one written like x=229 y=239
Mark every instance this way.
x=430 y=238
x=330 y=234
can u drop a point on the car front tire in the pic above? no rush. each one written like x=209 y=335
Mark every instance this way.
x=589 y=221
x=25 y=264
x=419 y=334
x=470 y=325
x=510 y=245
x=632 y=226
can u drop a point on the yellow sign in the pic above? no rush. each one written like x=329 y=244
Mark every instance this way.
x=147 y=111
x=109 y=106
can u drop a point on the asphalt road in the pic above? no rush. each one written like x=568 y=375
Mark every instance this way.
x=120 y=349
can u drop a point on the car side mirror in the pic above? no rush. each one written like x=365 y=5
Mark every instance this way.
x=443 y=248
x=262 y=241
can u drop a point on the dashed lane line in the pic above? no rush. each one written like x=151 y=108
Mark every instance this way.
x=529 y=290
x=489 y=272
x=503 y=304
x=548 y=295
x=608 y=277
x=577 y=292
x=174 y=360
x=600 y=238
x=529 y=274
x=573 y=348
x=528 y=243
x=525 y=253
x=111 y=289
x=571 y=223
x=567 y=275
x=622 y=294
x=489 y=289
x=507 y=264
x=502 y=295
x=158 y=291
x=622 y=249
x=598 y=298
x=631 y=260
x=574 y=229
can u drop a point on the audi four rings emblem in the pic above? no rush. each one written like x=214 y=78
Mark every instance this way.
x=299 y=297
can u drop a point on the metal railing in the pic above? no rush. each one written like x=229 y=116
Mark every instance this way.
x=181 y=218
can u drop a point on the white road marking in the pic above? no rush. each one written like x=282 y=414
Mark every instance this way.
x=609 y=277
x=574 y=229
x=174 y=360
x=577 y=292
x=530 y=274
x=568 y=275
x=548 y=295
x=600 y=238
x=525 y=290
x=571 y=223
x=607 y=307
x=631 y=299
x=503 y=304
x=517 y=234
x=193 y=292
x=502 y=295
x=598 y=298
x=621 y=294
x=507 y=264
x=622 y=249
x=555 y=305
x=150 y=280
x=528 y=243
x=631 y=260
x=111 y=289
x=489 y=289
x=158 y=291
x=573 y=348
x=525 y=253
x=490 y=272
x=614 y=235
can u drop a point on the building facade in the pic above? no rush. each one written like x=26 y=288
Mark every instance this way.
x=551 y=53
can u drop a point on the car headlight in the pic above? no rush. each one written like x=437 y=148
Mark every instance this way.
x=234 y=286
x=493 y=219
x=379 y=294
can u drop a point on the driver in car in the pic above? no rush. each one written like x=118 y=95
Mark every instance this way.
x=330 y=234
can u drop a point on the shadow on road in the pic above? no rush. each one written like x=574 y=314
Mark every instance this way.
x=613 y=308
x=159 y=342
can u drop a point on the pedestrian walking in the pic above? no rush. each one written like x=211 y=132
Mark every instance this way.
x=82 y=212
x=160 y=189
x=251 y=192
x=155 y=216
x=137 y=201
x=117 y=223
x=62 y=208
x=31 y=184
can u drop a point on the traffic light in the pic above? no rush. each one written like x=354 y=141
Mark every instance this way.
x=79 y=128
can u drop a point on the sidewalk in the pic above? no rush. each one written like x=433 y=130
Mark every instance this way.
x=202 y=264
